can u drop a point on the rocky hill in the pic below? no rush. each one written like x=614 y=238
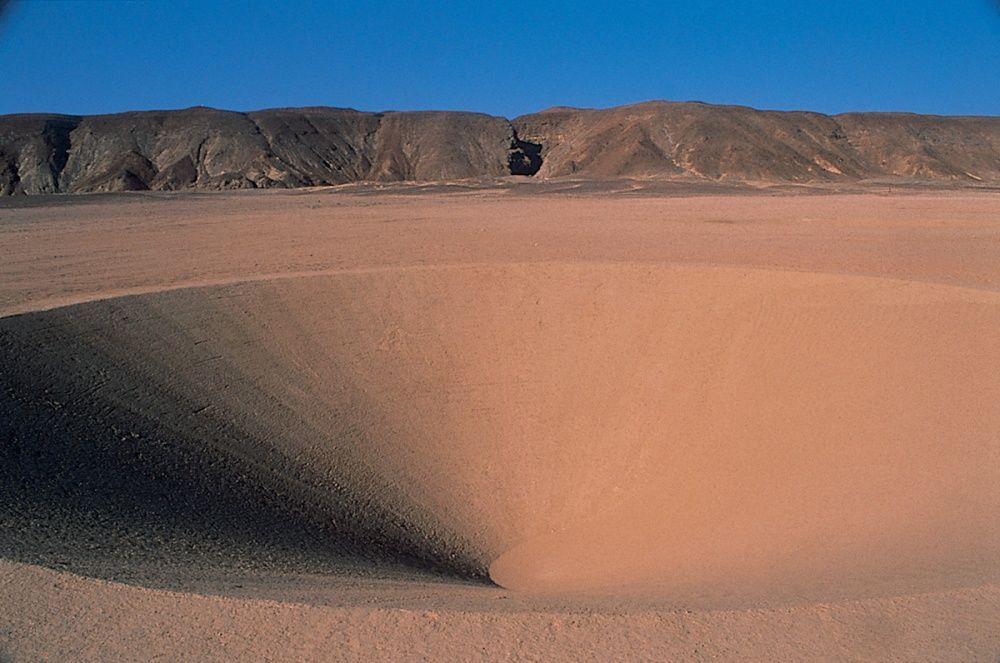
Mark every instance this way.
x=662 y=139
x=204 y=148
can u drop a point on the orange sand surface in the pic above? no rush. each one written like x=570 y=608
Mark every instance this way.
x=351 y=424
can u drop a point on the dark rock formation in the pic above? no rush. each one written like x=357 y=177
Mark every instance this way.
x=33 y=152
x=205 y=148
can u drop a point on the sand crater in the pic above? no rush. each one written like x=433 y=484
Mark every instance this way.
x=560 y=427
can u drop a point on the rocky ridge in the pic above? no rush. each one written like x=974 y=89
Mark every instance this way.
x=204 y=148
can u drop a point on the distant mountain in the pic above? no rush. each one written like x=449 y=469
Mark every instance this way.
x=204 y=148
x=663 y=139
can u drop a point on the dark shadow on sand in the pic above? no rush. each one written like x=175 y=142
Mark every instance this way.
x=95 y=481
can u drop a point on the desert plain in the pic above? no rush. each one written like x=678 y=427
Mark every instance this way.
x=540 y=422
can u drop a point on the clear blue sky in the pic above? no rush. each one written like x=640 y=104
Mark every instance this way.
x=931 y=56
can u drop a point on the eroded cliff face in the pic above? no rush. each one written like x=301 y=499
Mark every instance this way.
x=204 y=148
x=33 y=152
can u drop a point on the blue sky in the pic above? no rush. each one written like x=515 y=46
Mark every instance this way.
x=940 y=56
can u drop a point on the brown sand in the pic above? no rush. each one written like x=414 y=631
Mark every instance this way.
x=726 y=426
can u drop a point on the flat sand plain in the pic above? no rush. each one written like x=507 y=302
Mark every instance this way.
x=461 y=424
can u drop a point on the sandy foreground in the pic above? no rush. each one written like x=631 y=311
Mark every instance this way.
x=348 y=424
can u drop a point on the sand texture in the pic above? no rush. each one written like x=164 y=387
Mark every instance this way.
x=354 y=424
